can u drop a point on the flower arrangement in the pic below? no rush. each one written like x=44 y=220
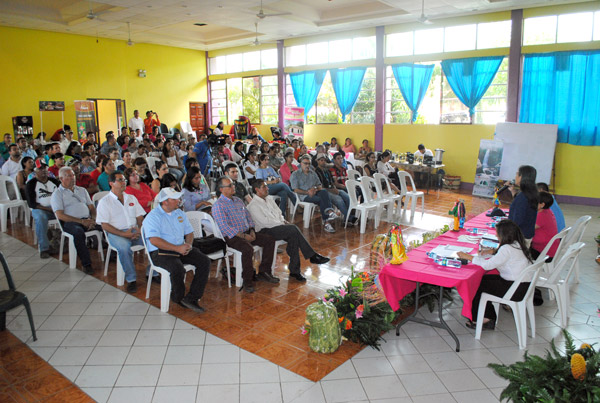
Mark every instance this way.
x=554 y=378
x=363 y=312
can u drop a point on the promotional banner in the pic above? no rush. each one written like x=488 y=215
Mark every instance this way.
x=85 y=114
x=293 y=118
x=23 y=125
x=489 y=163
x=52 y=106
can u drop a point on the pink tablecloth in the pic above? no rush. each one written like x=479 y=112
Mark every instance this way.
x=400 y=280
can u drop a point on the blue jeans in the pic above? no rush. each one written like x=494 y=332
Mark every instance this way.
x=283 y=191
x=125 y=254
x=177 y=173
x=341 y=201
x=41 y=218
x=322 y=199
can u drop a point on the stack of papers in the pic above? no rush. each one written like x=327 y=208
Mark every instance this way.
x=450 y=250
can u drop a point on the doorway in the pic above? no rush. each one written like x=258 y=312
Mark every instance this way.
x=110 y=115
x=198 y=117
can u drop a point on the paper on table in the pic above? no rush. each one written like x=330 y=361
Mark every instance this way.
x=450 y=250
x=469 y=239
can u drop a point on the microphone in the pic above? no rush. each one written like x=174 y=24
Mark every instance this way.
x=506 y=186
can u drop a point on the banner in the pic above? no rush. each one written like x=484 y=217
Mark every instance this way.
x=489 y=163
x=52 y=106
x=23 y=125
x=293 y=121
x=85 y=114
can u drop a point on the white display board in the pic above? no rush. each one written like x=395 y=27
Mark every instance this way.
x=527 y=144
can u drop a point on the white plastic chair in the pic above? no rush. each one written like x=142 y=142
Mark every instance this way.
x=196 y=218
x=413 y=194
x=379 y=197
x=548 y=267
x=151 y=163
x=237 y=255
x=361 y=209
x=387 y=192
x=520 y=309
x=576 y=235
x=120 y=271
x=14 y=204
x=98 y=196
x=558 y=281
x=165 y=278
x=72 y=250
x=309 y=210
x=354 y=175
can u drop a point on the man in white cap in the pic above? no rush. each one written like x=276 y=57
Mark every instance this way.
x=121 y=216
x=169 y=237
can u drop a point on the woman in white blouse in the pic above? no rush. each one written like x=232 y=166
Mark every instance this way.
x=510 y=259
x=385 y=167
x=250 y=166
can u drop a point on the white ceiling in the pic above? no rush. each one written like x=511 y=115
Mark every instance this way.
x=231 y=22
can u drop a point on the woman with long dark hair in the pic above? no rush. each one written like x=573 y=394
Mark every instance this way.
x=237 y=153
x=384 y=167
x=161 y=170
x=196 y=193
x=510 y=259
x=139 y=189
x=523 y=209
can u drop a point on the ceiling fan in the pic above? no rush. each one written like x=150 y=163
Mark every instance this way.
x=91 y=15
x=256 y=42
x=261 y=14
x=423 y=18
x=129 y=41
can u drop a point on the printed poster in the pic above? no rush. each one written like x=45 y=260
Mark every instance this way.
x=293 y=118
x=52 y=106
x=489 y=163
x=85 y=114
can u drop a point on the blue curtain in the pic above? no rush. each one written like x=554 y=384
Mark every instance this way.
x=413 y=81
x=470 y=78
x=346 y=85
x=306 y=86
x=563 y=88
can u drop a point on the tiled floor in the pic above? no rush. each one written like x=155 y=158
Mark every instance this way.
x=116 y=347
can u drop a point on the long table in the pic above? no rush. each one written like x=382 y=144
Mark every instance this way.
x=399 y=280
x=420 y=168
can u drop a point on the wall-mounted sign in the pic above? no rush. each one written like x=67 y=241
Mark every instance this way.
x=52 y=106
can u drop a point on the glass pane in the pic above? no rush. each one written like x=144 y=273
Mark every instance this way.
x=270 y=100
x=363 y=48
x=221 y=103
x=251 y=98
x=597 y=26
x=269 y=90
x=493 y=35
x=575 y=27
x=234 y=99
x=251 y=61
x=460 y=38
x=234 y=63
x=327 y=108
x=429 y=111
x=399 y=44
x=218 y=65
x=295 y=55
x=217 y=85
x=269 y=119
x=429 y=41
x=268 y=59
x=539 y=30
x=269 y=80
x=317 y=53
x=340 y=51
x=270 y=110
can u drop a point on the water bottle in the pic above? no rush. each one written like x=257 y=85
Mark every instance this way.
x=448 y=262
x=432 y=255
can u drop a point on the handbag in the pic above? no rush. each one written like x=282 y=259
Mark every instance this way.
x=210 y=244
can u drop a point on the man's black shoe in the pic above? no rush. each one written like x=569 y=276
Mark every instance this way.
x=89 y=269
x=249 y=288
x=44 y=254
x=318 y=259
x=298 y=276
x=132 y=287
x=193 y=305
x=155 y=279
x=268 y=277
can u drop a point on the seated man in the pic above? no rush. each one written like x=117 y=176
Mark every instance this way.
x=306 y=183
x=83 y=180
x=39 y=193
x=73 y=206
x=421 y=177
x=337 y=192
x=169 y=237
x=121 y=216
x=232 y=172
x=237 y=227
x=269 y=220
x=12 y=165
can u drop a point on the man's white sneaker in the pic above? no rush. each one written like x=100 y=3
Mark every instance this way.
x=332 y=216
x=328 y=228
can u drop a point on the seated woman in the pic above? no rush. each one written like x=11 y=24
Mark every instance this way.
x=363 y=150
x=273 y=181
x=334 y=145
x=140 y=190
x=171 y=158
x=288 y=167
x=524 y=207
x=545 y=227
x=510 y=259
x=237 y=153
x=348 y=146
x=250 y=166
x=196 y=193
x=27 y=164
x=300 y=151
x=384 y=167
x=169 y=181
x=370 y=166
x=264 y=148
x=161 y=170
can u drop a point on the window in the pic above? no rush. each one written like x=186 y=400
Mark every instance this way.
x=335 y=51
x=249 y=61
x=399 y=44
x=491 y=108
x=254 y=97
x=494 y=34
x=396 y=110
x=462 y=37
x=575 y=27
x=429 y=41
x=326 y=108
x=364 y=108
x=539 y=30
x=596 y=26
x=572 y=27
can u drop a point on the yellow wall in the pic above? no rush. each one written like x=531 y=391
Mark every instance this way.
x=48 y=66
x=107 y=117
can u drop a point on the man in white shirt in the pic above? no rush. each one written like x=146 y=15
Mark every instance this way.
x=422 y=152
x=136 y=122
x=24 y=148
x=121 y=215
x=12 y=166
x=66 y=141
x=421 y=177
x=269 y=220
